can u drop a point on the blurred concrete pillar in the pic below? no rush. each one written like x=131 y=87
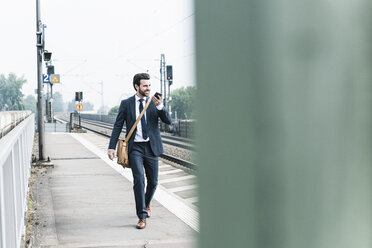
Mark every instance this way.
x=284 y=125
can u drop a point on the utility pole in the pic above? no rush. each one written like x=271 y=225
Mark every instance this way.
x=40 y=97
x=165 y=81
x=170 y=82
x=161 y=73
x=51 y=102
x=169 y=98
x=162 y=79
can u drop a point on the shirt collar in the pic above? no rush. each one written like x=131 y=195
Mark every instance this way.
x=137 y=98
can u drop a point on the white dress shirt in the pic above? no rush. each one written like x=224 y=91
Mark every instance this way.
x=138 y=137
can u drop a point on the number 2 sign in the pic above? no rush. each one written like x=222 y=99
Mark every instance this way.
x=46 y=78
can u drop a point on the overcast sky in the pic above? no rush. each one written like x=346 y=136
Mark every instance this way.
x=95 y=41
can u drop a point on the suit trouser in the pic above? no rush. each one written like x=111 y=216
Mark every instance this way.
x=141 y=156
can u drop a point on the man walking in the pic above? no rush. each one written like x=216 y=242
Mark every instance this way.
x=145 y=145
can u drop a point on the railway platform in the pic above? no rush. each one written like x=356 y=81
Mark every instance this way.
x=86 y=200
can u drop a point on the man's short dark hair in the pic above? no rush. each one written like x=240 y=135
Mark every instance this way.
x=137 y=78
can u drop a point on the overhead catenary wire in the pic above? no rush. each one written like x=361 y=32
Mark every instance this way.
x=132 y=49
x=75 y=67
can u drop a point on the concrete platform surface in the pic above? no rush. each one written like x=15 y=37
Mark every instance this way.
x=83 y=202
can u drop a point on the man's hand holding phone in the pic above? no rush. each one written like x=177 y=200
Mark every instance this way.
x=157 y=99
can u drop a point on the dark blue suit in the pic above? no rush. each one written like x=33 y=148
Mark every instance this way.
x=141 y=154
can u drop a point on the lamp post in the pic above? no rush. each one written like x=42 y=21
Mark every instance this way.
x=40 y=97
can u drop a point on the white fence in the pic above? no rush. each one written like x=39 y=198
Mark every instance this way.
x=10 y=119
x=15 y=163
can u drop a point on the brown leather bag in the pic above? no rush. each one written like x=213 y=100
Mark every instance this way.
x=122 y=152
x=122 y=149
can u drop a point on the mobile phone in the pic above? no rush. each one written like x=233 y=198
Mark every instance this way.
x=158 y=95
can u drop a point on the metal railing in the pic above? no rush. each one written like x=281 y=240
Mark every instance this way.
x=15 y=162
x=10 y=119
x=57 y=127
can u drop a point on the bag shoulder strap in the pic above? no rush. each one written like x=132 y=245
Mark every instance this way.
x=138 y=119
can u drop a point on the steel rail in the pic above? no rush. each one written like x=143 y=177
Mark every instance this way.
x=169 y=140
x=171 y=158
x=106 y=124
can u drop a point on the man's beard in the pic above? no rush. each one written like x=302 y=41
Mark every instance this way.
x=143 y=93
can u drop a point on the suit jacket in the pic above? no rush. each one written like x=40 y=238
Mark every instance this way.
x=127 y=113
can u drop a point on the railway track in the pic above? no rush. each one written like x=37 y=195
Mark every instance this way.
x=167 y=139
x=96 y=127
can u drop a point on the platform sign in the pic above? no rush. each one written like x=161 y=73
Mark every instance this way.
x=79 y=106
x=54 y=78
x=46 y=79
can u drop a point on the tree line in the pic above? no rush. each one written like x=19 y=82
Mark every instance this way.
x=12 y=98
x=182 y=103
